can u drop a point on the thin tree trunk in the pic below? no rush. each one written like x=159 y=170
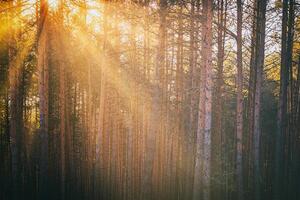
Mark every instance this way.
x=251 y=96
x=100 y=132
x=62 y=128
x=191 y=131
x=259 y=62
x=208 y=101
x=156 y=112
x=282 y=110
x=205 y=102
x=62 y=98
x=13 y=97
x=217 y=129
x=16 y=121
x=16 y=96
x=239 y=107
x=292 y=136
x=43 y=71
x=289 y=59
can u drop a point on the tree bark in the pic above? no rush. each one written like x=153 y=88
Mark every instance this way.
x=259 y=62
x=239 y=106
x=205 y=102
x=217 y=129
x=100 y=132
x=156 y=104
x=282 y=110
x=43 y=72
x=16 y=120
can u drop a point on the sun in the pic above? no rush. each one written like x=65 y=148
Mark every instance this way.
x=53 y=4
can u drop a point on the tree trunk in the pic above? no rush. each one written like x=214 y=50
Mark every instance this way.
x=208 y=101
x=62 y=110
x=250 y=112
x=43 y=72
x=217 y=129
x=259 y=62
x=191 y=129
x=282 y=110
x=239 y=106
x=16 y=122
x=100 y=132
x=291 y=136
x=289 y=51
x=205 y=102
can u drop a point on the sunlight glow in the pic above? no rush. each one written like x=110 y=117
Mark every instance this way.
x=92 y=15
x=53 y=4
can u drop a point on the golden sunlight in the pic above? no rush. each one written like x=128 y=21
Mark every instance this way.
x=53 y=4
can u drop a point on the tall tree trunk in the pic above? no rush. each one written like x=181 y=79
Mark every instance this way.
x=156 y=112
x=103 y=90
x=239 y=106
x=205 y=102
x=217 y=129
x=16 y=105
x=250 y=111
x=62 y=110
x=208 y=5
x=289 y=51
x=13 y=96
x=62 y=96
x=282 y=110
x=259 y=63
x=43 y=72
x=297 y=96
x=16 y=119
x=191 y=129
x=291 y=136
